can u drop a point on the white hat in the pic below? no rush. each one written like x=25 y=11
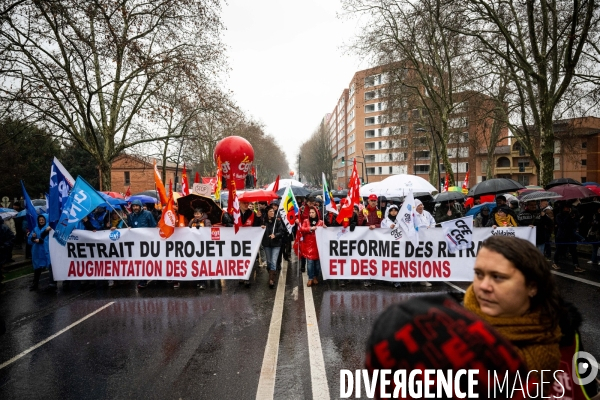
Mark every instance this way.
x=418 y=203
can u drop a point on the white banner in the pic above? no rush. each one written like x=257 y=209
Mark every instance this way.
x=459 y=233
x=384 y=254
x=132 y=254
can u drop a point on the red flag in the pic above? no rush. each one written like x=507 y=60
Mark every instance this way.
x=128 y=192
x=197 y=178
x=465 y=185
x=219 y=179
x=185 y=186
x=446 y=183
x=160 y=188
x=166 y=224
x=254 y=175
x=352 y=198
x=233 y=206
x=170 y=188
x=276 y=185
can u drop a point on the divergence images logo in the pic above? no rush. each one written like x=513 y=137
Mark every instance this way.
x=584 y=368
x=114 y=235
x=215 y=233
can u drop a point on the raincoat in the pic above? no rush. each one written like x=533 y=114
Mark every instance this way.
x=40 y=252
x=308 y=241
x=387 y=222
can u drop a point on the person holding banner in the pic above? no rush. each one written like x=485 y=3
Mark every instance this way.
x=309 y=245
x=423 y=219
x=140 y=218
x=447 y=212
x=372 y=214
x=40 y=250
x=274 y=231
x=503 y=219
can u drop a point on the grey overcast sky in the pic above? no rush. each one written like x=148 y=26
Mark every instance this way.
x=288 y=67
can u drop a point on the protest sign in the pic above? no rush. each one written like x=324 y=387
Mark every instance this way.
x=385 y=254
x=132 y=254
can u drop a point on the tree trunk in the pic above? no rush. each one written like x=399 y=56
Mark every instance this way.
x=546 y=167
x=105 y=176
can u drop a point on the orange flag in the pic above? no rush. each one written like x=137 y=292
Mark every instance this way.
x=185 y=186
x=168 y=220
x=160 y=188
x=219 y=179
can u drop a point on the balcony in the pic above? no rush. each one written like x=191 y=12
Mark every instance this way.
x=513 y=170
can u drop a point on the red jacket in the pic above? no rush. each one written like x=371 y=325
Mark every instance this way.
x=372 y=216
x=308 y=241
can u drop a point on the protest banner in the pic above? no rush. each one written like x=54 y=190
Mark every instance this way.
x=132 y=254
x=202 y=189
x=385 y=254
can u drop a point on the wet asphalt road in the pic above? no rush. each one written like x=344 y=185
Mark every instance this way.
x=161 y=343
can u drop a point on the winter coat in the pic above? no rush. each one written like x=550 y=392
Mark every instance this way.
x=143 y=219
x=97 y=222
x=479 y=221
x=543 y=224
x=6 y=236
x=566 y=228
x=441 y=214
x=424 y=220
x=308 y=240
x=203 y=221
x=387 y=222
x=372 y=216
x=40 y=252
x=273 y=227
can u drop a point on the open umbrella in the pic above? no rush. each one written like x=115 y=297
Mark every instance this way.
x=477 y=209
x=7 y=213
x=257 y=195
x=540 y=195
x=448 y=196
x=494 y=186
x=151 y=193
x=283 y=183
x=570 y=191
x=340 y=193
x=297 y=190
x=188 y=203
x=594 y=189
x=39 y=202
x=562 y=181
x=113 y=201
x=523 y=192
x=404 y=182
x=39 y=209
x=114 y=195
x=316 y=193
x=143 y=198
x=591 y=184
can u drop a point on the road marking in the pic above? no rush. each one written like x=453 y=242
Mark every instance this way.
x=266 y=382
x=318 y=375
x=576 y=278
x=43 y=342
x=295 y=293
x=455 y=287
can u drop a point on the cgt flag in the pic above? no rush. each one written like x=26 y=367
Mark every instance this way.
x=168 y=220
x=185 y=185
x=81 y=202
x=61 y=183
x=458 y=233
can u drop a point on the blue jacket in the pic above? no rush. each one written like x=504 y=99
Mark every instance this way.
x=40 y=252
x=142 y=220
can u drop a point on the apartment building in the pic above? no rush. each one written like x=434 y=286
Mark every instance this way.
x=400 y=141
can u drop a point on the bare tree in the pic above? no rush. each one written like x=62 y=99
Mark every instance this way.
x=316 y=156
x=89 y=69
x=542 y=44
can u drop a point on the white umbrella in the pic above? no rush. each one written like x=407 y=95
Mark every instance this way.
x=398 y=185
x=284 y=183
x=372 y=188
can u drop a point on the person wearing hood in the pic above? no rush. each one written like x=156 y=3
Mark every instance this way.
x=447 y=212
x=140 y=218
x=98 y=220
x=40 y=250
x=391 y=216
x=423 y=219
x=482 y=218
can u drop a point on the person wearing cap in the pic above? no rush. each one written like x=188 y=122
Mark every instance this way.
x=482 y=218
x=566 y=238
x=140 y=218
x=372 y=216
x=435 y=333
x=423 y=219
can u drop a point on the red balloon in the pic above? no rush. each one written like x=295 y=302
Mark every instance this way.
x=291 y=173
x=236 y=155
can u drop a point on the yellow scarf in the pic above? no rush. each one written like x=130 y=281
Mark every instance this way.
x=536 y=344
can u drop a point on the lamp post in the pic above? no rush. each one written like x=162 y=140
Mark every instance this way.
x=364 y=167
x=436 y=151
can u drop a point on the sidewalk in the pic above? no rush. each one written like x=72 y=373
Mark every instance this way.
x=18 y=255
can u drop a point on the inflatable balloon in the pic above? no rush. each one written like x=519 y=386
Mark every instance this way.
x=236 y=155
x=291 y=173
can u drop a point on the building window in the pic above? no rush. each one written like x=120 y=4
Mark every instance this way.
x=370 y=133
x=584 y=162
x=370 y=121
x=522 y=165
x=503 y=162
x=583 y=179
x=421 y=169
x=523 y=180
x=556 y=163
x=421 y=155
x=584 y=145
x=370 y=146
x=127 y=178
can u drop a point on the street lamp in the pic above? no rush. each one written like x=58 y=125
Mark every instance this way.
x=436 y=153
x=364 y=167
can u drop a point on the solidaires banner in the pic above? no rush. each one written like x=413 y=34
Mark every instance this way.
x=131 y=254
x=384 y=254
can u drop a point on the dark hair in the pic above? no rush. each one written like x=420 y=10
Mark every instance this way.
x=198 y=210
x=501 y=197
x=532 y=264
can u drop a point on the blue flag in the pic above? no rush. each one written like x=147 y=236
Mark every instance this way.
x=80 y=203
x=61 y=182
x=31 y=212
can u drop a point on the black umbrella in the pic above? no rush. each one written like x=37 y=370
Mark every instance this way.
x=561 y=181
x=540 y=195
x=495 y=186
x=340 y=193
x=449 y=196
x=188 y=203
x=151 y=193
x=297 y=190
x=316 y=193
x=38 y=202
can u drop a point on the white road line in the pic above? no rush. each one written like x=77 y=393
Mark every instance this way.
x=43 y=342
x=295 y=293
x=266 y=382
x=318 y=375
x=576 y=278
x=455 y=287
